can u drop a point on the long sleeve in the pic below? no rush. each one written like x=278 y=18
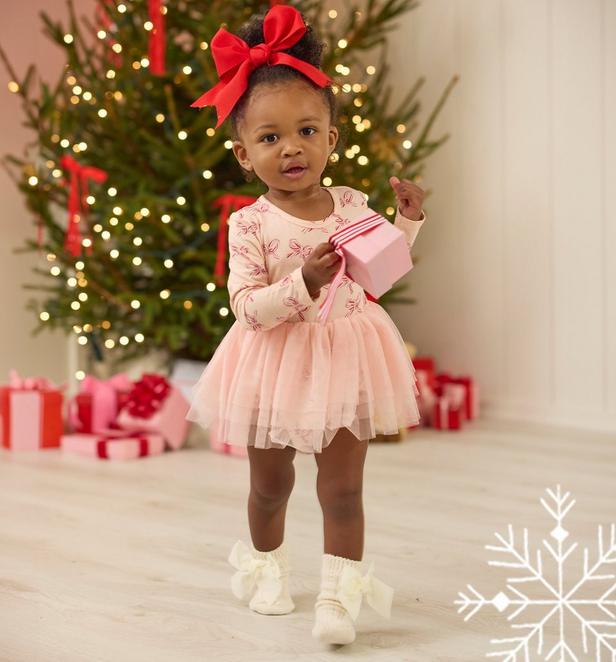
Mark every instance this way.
x=257 y=304
x=409 y=226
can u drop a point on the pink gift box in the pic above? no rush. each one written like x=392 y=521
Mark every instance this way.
x=169 y=420
x=374 y=253
x=470 y=407
x=377 y=258
x=114 y=444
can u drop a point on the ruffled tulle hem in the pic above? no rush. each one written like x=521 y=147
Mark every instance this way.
x=298 y=383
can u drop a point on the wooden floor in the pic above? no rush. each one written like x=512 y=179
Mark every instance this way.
x=124 y=562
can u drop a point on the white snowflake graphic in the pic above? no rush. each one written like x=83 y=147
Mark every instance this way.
x=560 y=602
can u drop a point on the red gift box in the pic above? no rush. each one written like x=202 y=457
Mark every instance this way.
x=471 y=392
x=448 y=409
x=30 y=419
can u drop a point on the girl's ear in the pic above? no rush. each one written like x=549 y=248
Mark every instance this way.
x=241 y=155
x=332 y=138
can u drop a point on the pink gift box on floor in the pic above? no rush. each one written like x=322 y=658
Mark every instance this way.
x=114 y=444
x=154 y=405
x=374 y=253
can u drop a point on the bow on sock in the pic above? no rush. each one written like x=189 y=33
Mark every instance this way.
x=352 y=586
x=251 y=572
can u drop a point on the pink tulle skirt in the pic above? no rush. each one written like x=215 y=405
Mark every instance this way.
x=298 y=383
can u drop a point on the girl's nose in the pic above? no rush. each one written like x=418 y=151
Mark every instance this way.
x=291 y=148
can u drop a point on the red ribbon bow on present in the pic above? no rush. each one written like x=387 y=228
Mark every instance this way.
x=235 y=60
x=147 y=396
x=79 y=191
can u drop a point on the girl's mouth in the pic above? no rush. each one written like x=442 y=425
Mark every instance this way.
x=294 y=172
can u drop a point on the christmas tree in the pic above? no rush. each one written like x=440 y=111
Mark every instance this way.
x=130 y=187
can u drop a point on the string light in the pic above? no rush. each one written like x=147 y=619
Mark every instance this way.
x=44 y=316
x=68 y=38
x=13 y=86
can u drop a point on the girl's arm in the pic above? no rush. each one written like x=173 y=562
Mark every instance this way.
x=256 y=304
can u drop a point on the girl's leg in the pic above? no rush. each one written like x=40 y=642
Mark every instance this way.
x=339 y=489
x=272 y=476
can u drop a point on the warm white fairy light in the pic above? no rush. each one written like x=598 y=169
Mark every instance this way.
x=203 y=46
x=110 y=74
x=124 y=340
x=187 y=304
x=207 y=174
x=13 y=86
x=370 y=70
x=121 y=8
x=109 y=343
x=165 y=294
x=210 y=132
x=55 y=138
x=181 y=200
x=145 y=62
x=148 y=25
x=68 y=38
x=90 y=199
x=74 y=100
x=79 y=265
x=102 y=113
x=55 y=271
x=117 y=48
x=82 y=340
x=165 y=218
x=136 y=65
x=44 y=316
x=135 y=304
x=71 y=282
x=343 y=43
x=210 y=287
x=137 y=261
x=113 y=221
x=160 y=118
x=118 y=211
x=182 y=135
x=77 y=89
x=327 y=181
x=224 y=312
x=144 y=211
x=137 y=241
x=75 y=305
x=407 y=144
x=346 y=87
x=114 y=254
x=87 y=96
x=362 y=160
x=80 y=375
x=139 y=337
x=106 y=235
x=112 y=191
x=101 y=34
x=33 y=181
x=332 y=13
x=86 y=243
x=76 y=329
x=187 y=70
x=228 y=144
x=168 y=263
x=64 y=143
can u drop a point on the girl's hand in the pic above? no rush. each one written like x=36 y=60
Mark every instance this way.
x=409 y=196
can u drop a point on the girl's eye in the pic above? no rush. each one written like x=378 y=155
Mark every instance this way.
x=308 y=128
x=273 y=135
x=265 y=138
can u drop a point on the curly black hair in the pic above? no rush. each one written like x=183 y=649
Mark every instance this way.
x=308 y=48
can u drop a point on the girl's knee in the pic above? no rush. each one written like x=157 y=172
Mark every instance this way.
x=341 y=503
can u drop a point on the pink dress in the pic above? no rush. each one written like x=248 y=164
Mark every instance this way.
x=281 y=378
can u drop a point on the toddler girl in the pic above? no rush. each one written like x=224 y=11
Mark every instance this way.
x=282 y=381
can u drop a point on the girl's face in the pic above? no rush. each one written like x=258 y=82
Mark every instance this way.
x=284 y=126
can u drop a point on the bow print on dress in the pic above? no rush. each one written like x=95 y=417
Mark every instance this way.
x=252 y=573
x=352 y=586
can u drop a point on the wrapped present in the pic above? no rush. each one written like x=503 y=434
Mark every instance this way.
x=155 y=405
x=96 y=406
x=471 y=392
x=114 y=444
x=425 y=377
x=374 y=253
x=219 y=445
x=448 y=410
x=424 y=365
x=30 y=413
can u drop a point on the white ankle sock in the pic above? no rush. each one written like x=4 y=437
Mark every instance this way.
x=333 y=624
x=266 y=574
x=339 y=602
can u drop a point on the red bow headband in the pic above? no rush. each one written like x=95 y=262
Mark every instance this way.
x=235 y=60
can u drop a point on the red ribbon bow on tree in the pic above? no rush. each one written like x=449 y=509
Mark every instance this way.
x=79 y=192
x=235 y=60
x=147 y=395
